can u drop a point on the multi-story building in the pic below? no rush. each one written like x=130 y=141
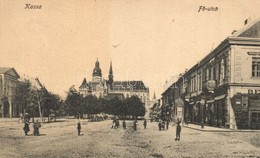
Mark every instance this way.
x=8 y=82
x=100 y=87
x=223 y=89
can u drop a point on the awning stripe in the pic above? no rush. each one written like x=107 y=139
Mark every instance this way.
x=220 y=97
x=210 y=101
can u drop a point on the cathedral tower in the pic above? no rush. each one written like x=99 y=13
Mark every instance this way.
x=110 y=76
x=97 y=74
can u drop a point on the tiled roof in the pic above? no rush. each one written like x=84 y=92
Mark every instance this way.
x=250 y=30
x=4 y=69
x=117 y=85
x=128 y=85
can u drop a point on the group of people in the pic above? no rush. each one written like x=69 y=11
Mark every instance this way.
x=36 y=127
x=163 y=125
x=115 y=124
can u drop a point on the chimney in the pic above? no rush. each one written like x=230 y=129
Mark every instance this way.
x=248 y=20
x=234 y=32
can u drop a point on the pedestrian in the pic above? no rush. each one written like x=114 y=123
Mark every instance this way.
x=36 y=126
x=26 y=127
x=163 y=125
x=178 y=132
x=113 y=124
x=79 y=128
x=117 y=123
x=160 y=124
x=124 y=124
x=135 y=125
x=145 y=123
x=167 y=124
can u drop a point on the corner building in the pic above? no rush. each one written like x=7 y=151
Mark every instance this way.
x=223 y=89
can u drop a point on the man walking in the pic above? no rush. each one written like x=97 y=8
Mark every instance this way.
x=145 y=123
x=26 y=127
x=167 y=124
x=135 y=125
x=79 y=128
x=124 y=124
x=36 y=126
x=178 y=132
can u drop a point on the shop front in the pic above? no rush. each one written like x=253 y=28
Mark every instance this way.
x=247 y=110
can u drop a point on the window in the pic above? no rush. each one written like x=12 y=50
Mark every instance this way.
x=225 y=68
x=255 y=117
x=199 y=82
x=214 y=73
x=256 y=67
x=207 y=74
x=219 y=71
x=210 y=75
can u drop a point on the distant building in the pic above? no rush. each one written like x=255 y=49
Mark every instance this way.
x=223 y=89
x=100 y=87
x=9 y=79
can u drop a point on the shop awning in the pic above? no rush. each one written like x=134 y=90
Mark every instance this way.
x=220 y=97
x=210 y=101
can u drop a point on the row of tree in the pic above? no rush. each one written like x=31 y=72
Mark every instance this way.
x=38 y=102
x=78 y=105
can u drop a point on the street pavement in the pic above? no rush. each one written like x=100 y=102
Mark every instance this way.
x=60 y=139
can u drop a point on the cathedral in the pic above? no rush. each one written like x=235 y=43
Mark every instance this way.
x=110 y=89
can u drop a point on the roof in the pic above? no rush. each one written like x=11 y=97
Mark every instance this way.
x=129 y=85
x=84 y=84
x=250 y=30
x=9 y=70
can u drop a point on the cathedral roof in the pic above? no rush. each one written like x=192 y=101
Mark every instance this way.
x=97 y=70
x=129 y=85
x=84 y=84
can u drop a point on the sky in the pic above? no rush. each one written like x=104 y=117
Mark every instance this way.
x=155 y=40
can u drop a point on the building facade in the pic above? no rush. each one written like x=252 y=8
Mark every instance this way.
x=100 y=87
x=9 y=79
x=223 y=89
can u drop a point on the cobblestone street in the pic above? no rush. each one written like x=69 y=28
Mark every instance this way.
x=60 y=139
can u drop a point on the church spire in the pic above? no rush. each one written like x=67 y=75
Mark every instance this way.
x=154 y=97
x=110 y=76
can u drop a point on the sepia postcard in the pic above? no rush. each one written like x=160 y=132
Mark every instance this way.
x=129 y=78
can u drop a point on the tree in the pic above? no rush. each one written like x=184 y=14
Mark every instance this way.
x=135 y=107
x=38 y=97
x=52 y=104
x=74 y=102
x=22 y=96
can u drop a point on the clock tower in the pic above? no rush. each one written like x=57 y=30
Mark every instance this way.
x=97 y=74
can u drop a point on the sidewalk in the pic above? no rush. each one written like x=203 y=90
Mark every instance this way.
x=216 y=129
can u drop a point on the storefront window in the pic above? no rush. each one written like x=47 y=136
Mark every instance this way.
x=255 y=117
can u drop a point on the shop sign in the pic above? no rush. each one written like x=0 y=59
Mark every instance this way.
x=238 y=101
x=253 y=91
